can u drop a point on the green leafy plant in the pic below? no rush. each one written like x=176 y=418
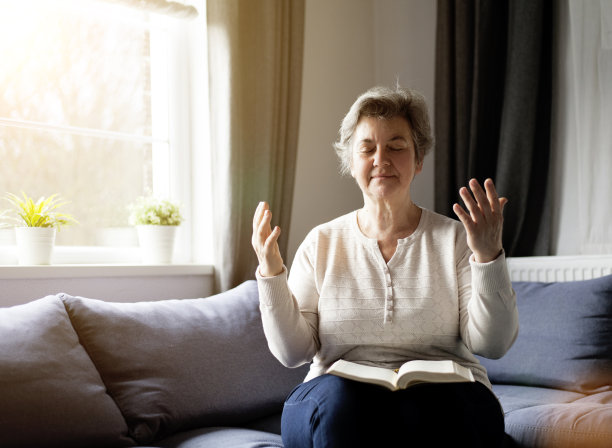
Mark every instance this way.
x=41 y=213
x=155 y=211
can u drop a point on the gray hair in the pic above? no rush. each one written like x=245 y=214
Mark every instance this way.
x=386 y=103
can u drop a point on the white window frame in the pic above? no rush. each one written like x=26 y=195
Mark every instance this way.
x=187 y=178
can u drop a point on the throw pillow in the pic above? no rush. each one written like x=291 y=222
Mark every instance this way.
x=565 y=337
x=50 y=392
x=179 y=364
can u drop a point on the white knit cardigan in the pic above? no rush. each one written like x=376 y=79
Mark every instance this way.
x=430 y=301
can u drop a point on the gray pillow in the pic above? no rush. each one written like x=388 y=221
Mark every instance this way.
x=565 y=337
x=50 y=392
x=179 y=364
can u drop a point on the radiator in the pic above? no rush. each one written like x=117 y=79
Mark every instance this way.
x=559 y=268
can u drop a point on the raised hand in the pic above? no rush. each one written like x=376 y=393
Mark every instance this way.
x=265 y=243
x=485 y=220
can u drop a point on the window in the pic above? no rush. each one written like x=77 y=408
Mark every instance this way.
x=93 y=107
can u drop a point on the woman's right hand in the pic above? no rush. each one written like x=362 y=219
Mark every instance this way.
x=265 y=242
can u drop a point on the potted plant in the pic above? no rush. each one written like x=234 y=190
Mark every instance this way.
x=36 y=226
x=156 y=220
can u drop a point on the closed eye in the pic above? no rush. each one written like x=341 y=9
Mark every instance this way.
x=366 y=149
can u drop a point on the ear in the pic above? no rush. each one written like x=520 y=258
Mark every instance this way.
x=419 y=167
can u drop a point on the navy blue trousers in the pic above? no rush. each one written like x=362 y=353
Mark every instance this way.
x=333 y=412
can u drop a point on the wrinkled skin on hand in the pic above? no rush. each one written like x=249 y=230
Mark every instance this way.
x=483 y=220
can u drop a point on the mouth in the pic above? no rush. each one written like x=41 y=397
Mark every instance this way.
x=381 y=177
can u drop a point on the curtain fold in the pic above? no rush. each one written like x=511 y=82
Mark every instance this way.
x=255 y=50
x=493 y=108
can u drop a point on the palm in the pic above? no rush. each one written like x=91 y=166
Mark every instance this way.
x=265 y=242
x=484 y=222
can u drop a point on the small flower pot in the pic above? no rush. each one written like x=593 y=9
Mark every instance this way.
x=35 y=245
x=156 y=243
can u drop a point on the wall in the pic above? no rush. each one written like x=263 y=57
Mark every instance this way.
x=351 y=45
x=21 y=284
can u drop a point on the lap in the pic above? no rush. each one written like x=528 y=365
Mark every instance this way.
x=333 y=411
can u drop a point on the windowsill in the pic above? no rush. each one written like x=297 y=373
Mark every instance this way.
x=103 y=270
x=95 y=262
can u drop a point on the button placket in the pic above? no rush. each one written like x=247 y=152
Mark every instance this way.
x=388 y=297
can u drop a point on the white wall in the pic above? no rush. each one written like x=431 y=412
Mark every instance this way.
x=22 y=284
x=350 y=46
x=405 y=36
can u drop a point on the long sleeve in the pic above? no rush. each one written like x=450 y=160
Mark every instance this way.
x=489 y=317
x=291 y=327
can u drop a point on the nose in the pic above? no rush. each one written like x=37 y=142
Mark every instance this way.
x=380 y=156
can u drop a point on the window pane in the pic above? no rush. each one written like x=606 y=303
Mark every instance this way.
x=74 y=66
x=76 y=109
x=99 y=177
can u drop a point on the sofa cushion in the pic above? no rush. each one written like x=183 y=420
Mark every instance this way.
x=179 y=364
x=513 y=398
x=50 y=392
x=583 y=423
x=222 y=437
x=565 y=337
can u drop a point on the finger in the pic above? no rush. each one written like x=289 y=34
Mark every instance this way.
x=502 y=204
x=264 y=224
x=469 y=202
x=264 y=209
x=263 y=230
x=481 y=197
x=492 y=196
x=258 y=215
x=256 y=221
x=463 y=217
x=272 y=239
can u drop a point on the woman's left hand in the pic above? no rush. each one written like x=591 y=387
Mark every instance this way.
x=485 y=220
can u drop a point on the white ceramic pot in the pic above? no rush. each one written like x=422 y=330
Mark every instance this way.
x=34 y=244
x=156 y=243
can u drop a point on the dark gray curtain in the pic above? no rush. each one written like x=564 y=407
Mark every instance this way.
x=493 y=110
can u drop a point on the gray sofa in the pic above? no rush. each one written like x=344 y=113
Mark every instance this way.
x=84 y=373
x=555 y=382
x=78 y=372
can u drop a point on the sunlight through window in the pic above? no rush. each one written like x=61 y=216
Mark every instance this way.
x=83 y=109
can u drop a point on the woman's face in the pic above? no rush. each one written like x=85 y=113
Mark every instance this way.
x=383 y=158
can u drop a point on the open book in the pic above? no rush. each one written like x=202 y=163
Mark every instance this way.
x=411 y=372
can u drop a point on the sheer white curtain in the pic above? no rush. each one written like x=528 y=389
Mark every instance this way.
x=583 y=131
x=184 y=9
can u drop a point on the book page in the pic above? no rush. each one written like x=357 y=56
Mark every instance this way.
x=445 y=371
x=367 y=374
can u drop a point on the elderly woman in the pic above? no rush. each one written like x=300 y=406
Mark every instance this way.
x=385 y=284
